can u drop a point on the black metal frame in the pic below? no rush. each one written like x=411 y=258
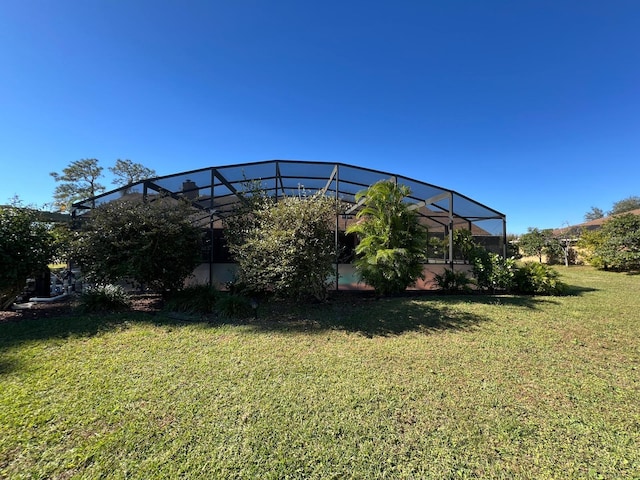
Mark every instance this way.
x=215 y=191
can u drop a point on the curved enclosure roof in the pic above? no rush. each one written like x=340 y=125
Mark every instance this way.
x=215 y=192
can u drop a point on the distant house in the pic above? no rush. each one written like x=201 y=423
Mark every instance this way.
x=590 y=225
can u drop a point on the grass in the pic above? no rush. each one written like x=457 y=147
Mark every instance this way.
x=414 y=387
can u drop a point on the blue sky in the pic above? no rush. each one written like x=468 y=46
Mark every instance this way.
x=530 y=107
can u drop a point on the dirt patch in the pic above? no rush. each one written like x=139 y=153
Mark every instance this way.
x=37 y=310
x=141 y=303
x=152 y=303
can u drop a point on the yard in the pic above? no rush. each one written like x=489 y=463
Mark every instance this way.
x=424 y=386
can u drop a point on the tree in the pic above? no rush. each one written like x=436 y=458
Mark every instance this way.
x=560 y=245
x=285 y=247
x=78 y=181
x=127 y=172
x=594 y=214
x=393 y=243
x=533 y=242
x=589 y=243
x=543 y=242
x=557 y=249
x=151 y=244
x=26 y=248
x=617 y=244
x=625 y=205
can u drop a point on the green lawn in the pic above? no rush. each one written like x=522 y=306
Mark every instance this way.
x=431 y=387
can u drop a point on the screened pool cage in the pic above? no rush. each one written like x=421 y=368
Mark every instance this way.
x=215 y=192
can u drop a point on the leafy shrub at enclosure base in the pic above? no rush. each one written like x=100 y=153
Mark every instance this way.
x=234 y=305
x=154 y=244
x=491 y=271
x=538 y=278
x=203 y=299
x=284 y=247
x=104 y=298
x=193 y=299
x=451 y=281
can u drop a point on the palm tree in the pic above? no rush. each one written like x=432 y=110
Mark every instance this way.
x=392 y=241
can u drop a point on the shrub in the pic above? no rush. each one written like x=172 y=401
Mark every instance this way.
x=491 y=271
x=463 y=244
x=285 y=247
x=26 y=246
x=104 y=298
x=539 y=279
x=194 y=299
x=153 y=244
x=451 y=281
x=513 y=250
x=233 y=305
x=617 y=246
x=437 y=247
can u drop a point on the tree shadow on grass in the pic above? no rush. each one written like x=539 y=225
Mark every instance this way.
x=401 y=317
x=71 y=325
x=7 y=365
x=371 y=316
x=578 y=290
x=360 y=312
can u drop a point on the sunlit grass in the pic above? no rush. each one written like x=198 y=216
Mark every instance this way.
x=432 y=387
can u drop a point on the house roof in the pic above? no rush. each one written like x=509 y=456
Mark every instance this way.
x=593 y=224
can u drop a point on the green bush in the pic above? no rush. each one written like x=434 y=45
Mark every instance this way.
x=284 y=247
x=26 y=246
x=437 y=247
x=463 y=244
x=233 y=305
x=194 y=299
x=153 y=244
x=451 y=281
x=493 y=272
x=617 y=245
x=104 y=298
x=539 y=279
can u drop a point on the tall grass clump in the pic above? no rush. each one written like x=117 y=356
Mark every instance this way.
x=235 y=305
x=193 y=299
x=104 y=298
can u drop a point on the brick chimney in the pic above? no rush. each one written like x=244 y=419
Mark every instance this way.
x=190 y=189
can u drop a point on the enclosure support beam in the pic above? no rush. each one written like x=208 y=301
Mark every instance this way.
x=355 y=207
x=279 y=180
x=429 y=201
x=360 y=202
x=504 y=238
x=226 y=183
x=337 y=177
x=451 y=230
x=331 y=177
x=211 y=215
